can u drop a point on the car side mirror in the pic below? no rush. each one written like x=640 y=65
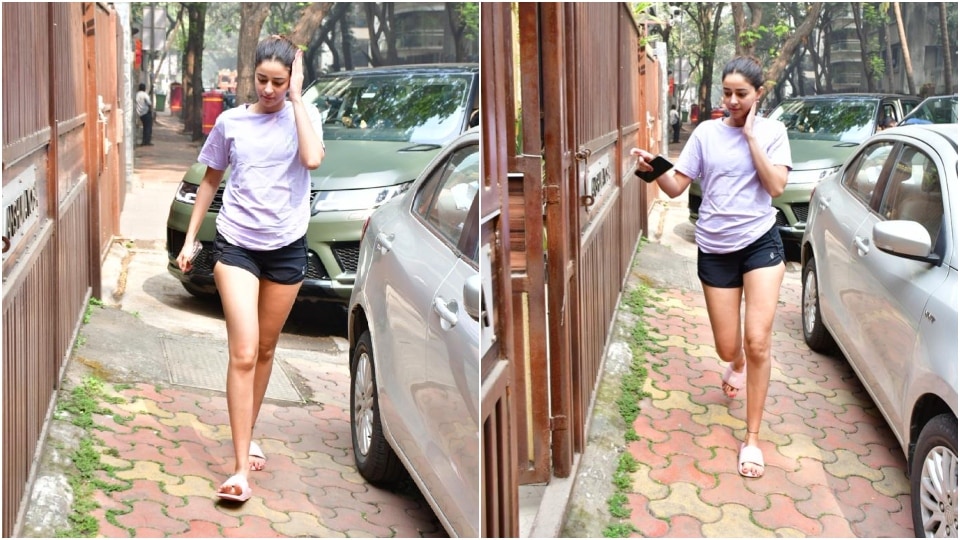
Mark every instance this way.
x=471 y=296
x=907 y=239
x=474 y=118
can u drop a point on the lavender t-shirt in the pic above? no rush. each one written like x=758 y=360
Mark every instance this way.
x=736 y=208
x=266 y=204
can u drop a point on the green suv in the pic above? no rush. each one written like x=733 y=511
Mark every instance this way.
x=381 y=127
x=823 y=131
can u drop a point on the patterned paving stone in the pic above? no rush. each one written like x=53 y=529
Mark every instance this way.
x=683 y=499
x=729 y=490
x=783 y=513
x=146 y=516
x=641 y=518
x=683 y=468
x=736 y=522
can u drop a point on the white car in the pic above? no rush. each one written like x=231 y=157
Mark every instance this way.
x=879 y=257
x=414 y=330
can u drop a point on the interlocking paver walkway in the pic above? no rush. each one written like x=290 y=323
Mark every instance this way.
x=833 y=468
x=172 y=447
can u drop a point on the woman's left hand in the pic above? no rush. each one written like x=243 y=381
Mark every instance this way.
x=296 y=76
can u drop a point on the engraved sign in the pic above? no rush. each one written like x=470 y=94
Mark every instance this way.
x=21 y=209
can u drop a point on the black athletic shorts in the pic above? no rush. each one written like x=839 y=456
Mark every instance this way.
x=286 y=265
x=726 y=270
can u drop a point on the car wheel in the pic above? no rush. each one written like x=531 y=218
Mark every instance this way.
x=814 y=332
x=933 y=479
x=375 y=460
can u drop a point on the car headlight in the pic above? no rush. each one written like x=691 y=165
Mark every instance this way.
x=186 y=193
x=811 y=176
x=357 y=199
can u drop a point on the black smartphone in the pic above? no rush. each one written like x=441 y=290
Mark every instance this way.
x=660 y=165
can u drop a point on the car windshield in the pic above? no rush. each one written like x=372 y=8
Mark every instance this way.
x=941 y=110
x=403 y=107
x=843 y=120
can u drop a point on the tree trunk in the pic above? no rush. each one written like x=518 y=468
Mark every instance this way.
x=706 y=17
x=345 y=44
x=457 y=30
x=252 y=16
x=310 y=20
x=324 y=35
x=888 y=71
x=375 y=28
x=193 y=70
x=946 y=51
x=749 y=47
x=864 y=46
x=780 y=63
x=907 y=63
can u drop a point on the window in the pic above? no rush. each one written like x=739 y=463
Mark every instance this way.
x=913 y=192
x=862 y=175
x=445 y=199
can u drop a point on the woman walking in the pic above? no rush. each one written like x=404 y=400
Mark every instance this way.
x=260 y=248
x=742 y=163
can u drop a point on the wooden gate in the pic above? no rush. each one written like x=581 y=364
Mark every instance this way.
x=578 y=96
x=62 y=159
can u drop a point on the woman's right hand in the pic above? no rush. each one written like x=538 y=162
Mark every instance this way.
x=643 y=159
x=183 y=259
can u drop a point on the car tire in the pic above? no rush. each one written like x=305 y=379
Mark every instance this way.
x=375 y=459
x=816 y=335
x=933 y=479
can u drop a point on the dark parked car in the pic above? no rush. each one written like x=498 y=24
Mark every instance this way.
x=823 y=131
x=381 y=127
x=880 y=257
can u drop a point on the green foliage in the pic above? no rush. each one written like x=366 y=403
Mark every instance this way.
x=88 y=312
x=619 y=530
x=631 y=393
x=470 y=16
x=86 y=477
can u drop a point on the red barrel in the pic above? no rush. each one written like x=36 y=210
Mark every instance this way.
x=212 y=107
x=176 y=98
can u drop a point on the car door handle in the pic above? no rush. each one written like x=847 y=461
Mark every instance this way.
x=446 y=310
x=863 y=245
x=384 y=242
x=823 y=204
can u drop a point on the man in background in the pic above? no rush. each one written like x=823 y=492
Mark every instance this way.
x=145 y=112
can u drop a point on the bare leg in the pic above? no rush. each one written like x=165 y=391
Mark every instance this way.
x=723 y=307
x=255 y=312
x=761 y=293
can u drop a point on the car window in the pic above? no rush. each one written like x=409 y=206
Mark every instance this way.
x=416 y=108
x=862 y=175
x=843 y=119
x=889 y=111
x=446 y=196
x=913 y=192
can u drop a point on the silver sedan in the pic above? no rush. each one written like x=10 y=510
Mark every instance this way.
x=414 y=329
x=879 y=257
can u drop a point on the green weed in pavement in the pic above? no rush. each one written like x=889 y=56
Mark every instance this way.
x=81 y=403
x=631 y=393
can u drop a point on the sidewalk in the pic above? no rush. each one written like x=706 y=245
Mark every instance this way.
x=158 y=444
x=833 y=467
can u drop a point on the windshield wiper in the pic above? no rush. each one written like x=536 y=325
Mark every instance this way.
x=420 y=147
